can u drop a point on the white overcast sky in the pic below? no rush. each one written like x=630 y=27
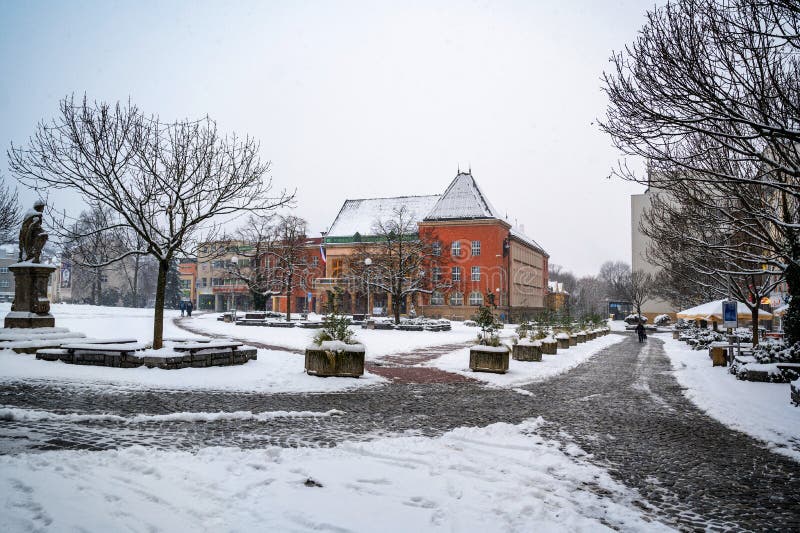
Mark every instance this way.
x=359 y=99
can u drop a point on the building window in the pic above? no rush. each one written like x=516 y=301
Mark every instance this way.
x=5 y=283
x=476 y=248
x=315 y=261
x=455 y=249
x=436 y=274
x=205 y=282
x=104 y=278
x=455 y=273
x=216 y=282
x=3 y=270
x=436 y=248
x=337 y=267
x=476 y=274
x=456 y=298
x=437 y=298
x=218 y=264
x=475 y=298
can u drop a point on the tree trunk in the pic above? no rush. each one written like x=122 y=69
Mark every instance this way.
x=289 y=298
x=136 y=260
x=754 y=317
x=791 y=320
x=396 y=309
x=158 y=320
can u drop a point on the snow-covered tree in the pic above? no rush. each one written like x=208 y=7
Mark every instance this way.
x=174 y=183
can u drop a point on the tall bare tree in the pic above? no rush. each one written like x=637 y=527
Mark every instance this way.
x=174 y=183
x=402 y=261
x=708 y=94
x=615 y=274
x=9 y=212
x=288 y=259
x=637 y=288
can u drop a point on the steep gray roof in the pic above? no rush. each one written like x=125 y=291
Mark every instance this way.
x=463 y=199
x=359 y=216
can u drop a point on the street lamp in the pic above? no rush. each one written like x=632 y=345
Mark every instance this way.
x=367 y=263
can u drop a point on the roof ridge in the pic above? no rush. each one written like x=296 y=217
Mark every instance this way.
x=391 y=197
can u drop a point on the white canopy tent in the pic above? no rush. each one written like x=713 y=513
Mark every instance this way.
x=713 y=310
x=781 y=310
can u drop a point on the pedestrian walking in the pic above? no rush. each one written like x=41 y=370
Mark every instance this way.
x=640 y=332
x=189 y=307
x=182 y=307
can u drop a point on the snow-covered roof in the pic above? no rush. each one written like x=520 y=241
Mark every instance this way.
x=714 y=310
x=359 y=216
x=518 y=233
x=463 y=199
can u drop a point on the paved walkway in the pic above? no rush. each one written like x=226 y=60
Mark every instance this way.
x=624 y=407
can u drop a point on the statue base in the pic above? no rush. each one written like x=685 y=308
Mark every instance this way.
x=31 y=308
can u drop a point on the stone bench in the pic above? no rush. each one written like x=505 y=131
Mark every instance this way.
x=195 y=347
x=280 y=324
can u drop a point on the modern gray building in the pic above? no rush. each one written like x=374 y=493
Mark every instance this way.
x=9 y=254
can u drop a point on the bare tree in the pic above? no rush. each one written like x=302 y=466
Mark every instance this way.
x=615 y=275
x=708 y=94
x=89 y=247
x=288 y=258
x=9 y=212
x=589 y=293
x=402 y=262
x=638 y=288
x=256 y=239
x=171 y=183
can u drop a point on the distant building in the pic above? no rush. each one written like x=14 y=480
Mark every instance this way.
x=639 y=243
x=187 y=270
x=9 y=254
x=557 y=297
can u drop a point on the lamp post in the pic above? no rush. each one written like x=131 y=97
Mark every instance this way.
x=234 y=261
x=367 y=263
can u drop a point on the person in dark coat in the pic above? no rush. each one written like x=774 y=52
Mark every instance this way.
x=182 y=307
x=189 y=308
x=640 y=332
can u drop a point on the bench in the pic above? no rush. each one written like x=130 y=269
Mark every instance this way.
x=280 y=324
x=193 y=348
x=123 y=348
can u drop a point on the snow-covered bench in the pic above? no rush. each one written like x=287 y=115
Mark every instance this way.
x=121 y=348
x=194 y=347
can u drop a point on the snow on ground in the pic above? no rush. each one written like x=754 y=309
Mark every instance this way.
x=498 y=478
x=762 y=410
x=273 y=371
x=378 y=342
x=617 y=325
x=522 y=372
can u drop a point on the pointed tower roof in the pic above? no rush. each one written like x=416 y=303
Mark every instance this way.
x=463 y=199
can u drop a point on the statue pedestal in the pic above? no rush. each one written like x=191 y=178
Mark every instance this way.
x=31 y=308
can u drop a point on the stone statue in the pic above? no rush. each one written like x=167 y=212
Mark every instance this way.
x=31 y=235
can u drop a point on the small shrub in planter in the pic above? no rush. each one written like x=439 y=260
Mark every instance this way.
x=549 y=346
x=489 y=354
x=527 y=350
x=334 y=351
x=662 y=320
x=563 y=340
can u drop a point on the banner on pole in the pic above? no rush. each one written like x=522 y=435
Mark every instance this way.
x=730 y=315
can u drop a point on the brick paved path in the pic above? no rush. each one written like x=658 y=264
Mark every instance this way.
x=624 y=407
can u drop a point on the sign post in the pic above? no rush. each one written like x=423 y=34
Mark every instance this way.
x=730 y=319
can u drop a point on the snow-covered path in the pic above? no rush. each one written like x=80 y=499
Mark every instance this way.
x=436 y=447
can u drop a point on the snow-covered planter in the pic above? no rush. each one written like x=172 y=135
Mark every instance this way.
x=484 y=358
x=795 y=393
x=526 y=350
x=549 y=346
x=335 y=358
x=581 y=337
x=632 y=320
x=573 y=339
x=563 y=341
x=591 y=335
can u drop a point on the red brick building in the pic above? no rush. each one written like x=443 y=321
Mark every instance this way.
x=479 y=258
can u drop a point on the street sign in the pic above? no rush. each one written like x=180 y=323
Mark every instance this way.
x=730 y=314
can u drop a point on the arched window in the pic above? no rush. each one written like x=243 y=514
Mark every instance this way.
x=475 y=298
x=456 y=298
x=437 y=298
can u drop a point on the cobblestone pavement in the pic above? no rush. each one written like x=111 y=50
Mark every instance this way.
x=624 y=407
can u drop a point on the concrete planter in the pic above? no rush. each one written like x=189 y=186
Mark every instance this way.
x=563 y=344
x=591 y=335
x=581 y=338
x=527 y=352
x=549 y=347
x=676 y=334
x=488 y=359
x=573 y=340
x=335 y=359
